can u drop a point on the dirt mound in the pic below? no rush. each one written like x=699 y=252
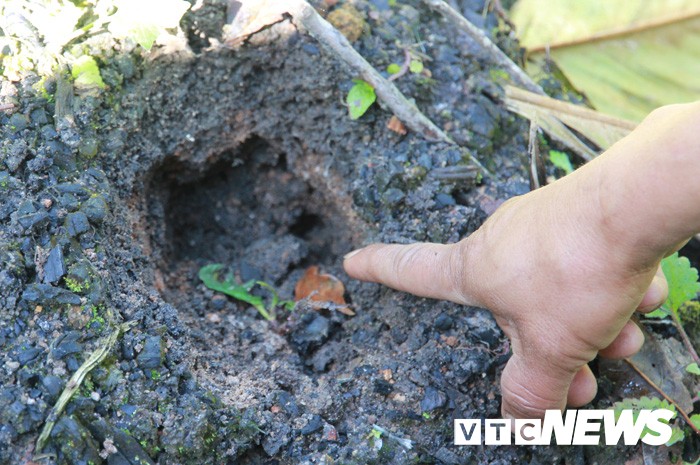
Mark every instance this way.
x=110 y=206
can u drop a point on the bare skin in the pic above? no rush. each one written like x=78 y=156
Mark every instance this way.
x=563 y=268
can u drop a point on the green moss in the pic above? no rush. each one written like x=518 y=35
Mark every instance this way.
x=96 y=317
x=498 y=75
x=155 y=375
x=690 y=312
x=75 y=286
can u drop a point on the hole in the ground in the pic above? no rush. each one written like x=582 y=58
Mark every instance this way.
x=246 y=210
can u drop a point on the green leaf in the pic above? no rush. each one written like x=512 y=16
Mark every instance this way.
x=561 y=161
x=145 y=34
x=682 y=281
x=393 y=68
x=416 y=66
x=658 y=313
x=643 y=403
x=209 y=274
x=360 y=97
x=144 y=21
x=677 y=434
x=693 y=368
x=86 y=73
x=695 y=420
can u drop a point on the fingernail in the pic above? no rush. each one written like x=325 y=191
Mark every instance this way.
x=659 y=287
x=351 y=254
x=654 y=294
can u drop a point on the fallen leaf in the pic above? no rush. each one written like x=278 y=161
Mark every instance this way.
x=396 y=125
x=627 y=57
x=321 y=287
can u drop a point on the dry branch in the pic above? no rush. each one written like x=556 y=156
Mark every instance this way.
x=554 y=128
x=305 y=17
x=515 y=71
x=601 y=129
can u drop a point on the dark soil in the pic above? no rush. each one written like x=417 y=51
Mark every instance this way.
x=247 y=158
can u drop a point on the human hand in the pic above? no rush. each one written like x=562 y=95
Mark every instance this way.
x=558 y=270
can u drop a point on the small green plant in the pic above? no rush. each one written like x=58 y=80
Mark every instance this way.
x=210 y=276
x=415 y=66
x=561 y=160
x=649 y=403
x=683 y=286
x=426 y=415
x=96 y=317
x=74 y=285
x=693 y=369
x=86 y=73
x=360 y=97
x=155 y=375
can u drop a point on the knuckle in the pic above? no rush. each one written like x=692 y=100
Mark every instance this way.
x=526 y=402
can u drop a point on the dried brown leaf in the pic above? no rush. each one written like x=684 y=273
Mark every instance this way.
x=321 y=287
x=395 y=124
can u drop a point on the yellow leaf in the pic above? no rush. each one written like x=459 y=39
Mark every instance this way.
x=627 y=57
x=599 y=128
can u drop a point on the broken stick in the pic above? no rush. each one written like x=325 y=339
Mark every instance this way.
x=305 y=17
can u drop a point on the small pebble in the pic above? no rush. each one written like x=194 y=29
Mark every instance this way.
x=451 y=341
x=329 y=432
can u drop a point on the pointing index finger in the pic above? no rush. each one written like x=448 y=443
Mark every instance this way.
x=424 y=269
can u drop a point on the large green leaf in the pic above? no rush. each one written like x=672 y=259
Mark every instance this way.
x=627 y=57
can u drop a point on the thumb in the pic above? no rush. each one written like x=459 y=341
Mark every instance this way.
x=438 y=271
x=530 y=386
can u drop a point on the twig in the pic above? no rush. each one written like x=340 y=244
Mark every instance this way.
x=305 y=17
x=454 y=173
x=558 y=107
x=684 y=336
x=537 y=173
x=6 y=106
x=404 y=67
x=496 y=6
x=661 y=392
x=104 y=347
x=515 y=71
x=404 y=442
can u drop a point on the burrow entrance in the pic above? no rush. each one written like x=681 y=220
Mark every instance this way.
x=248 y=210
